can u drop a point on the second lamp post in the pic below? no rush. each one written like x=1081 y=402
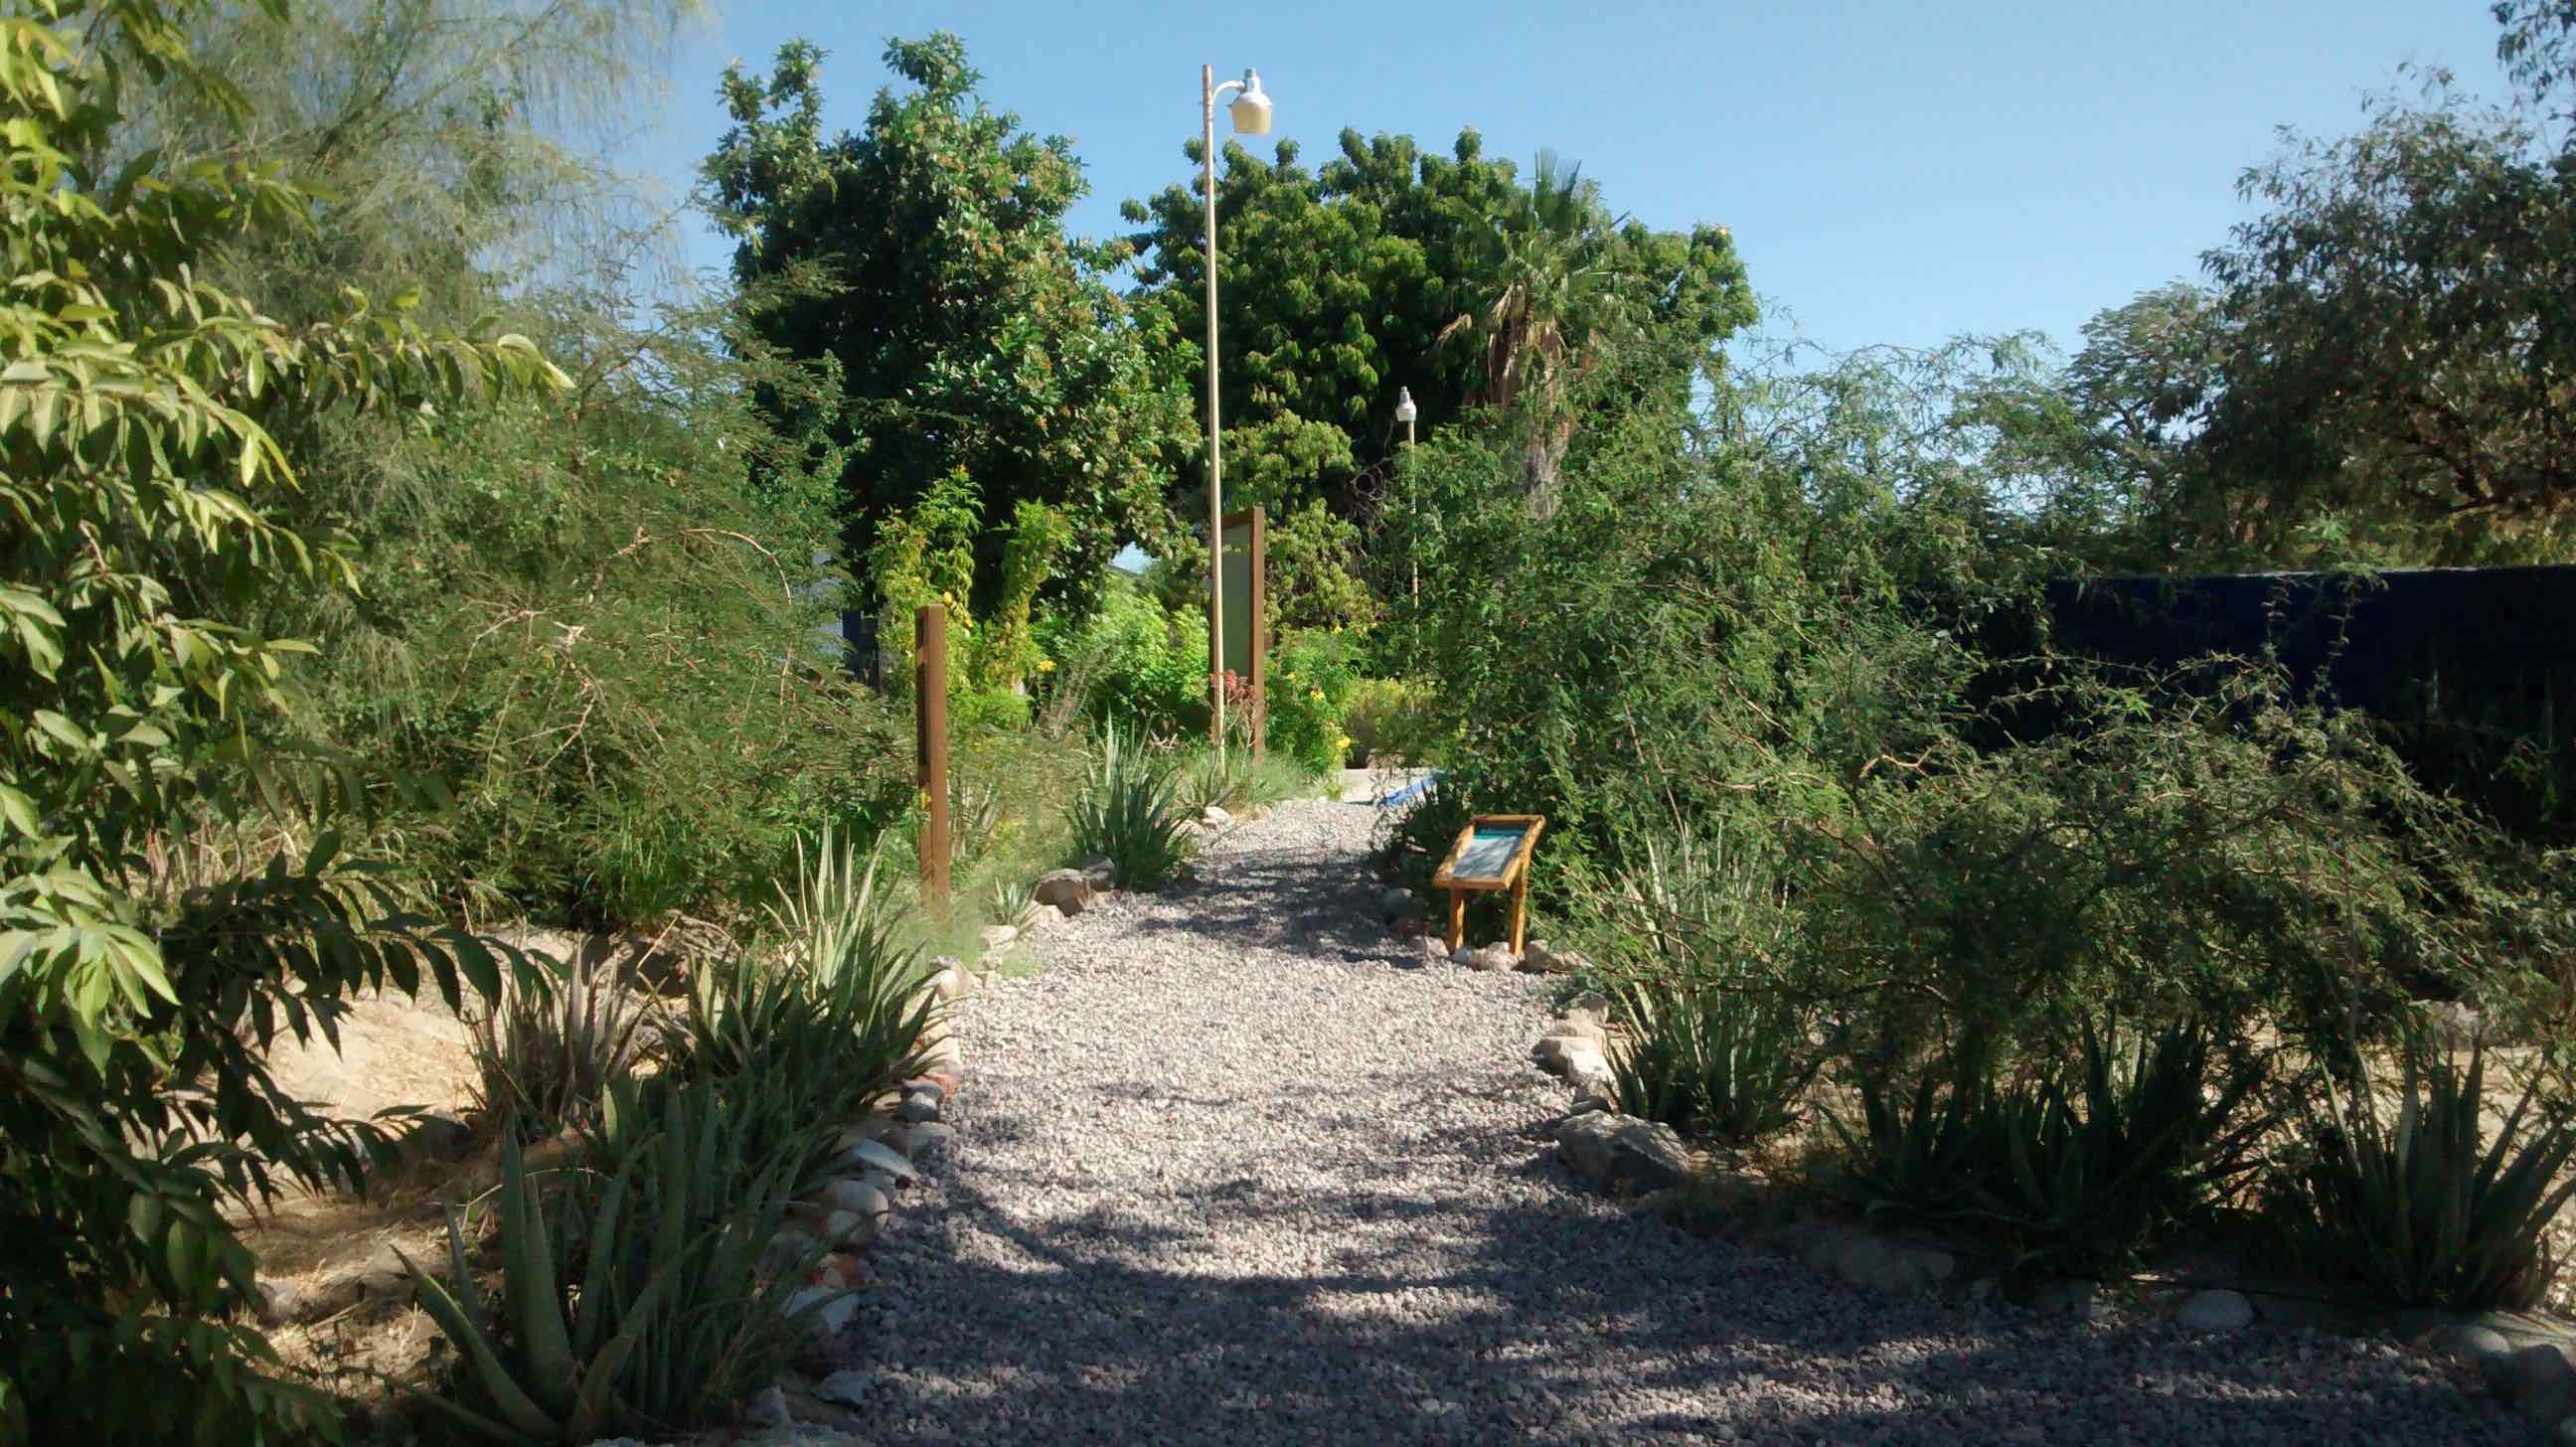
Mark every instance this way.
x=1251 y=111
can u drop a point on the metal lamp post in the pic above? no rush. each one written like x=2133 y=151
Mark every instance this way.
x=1251 y=111
x=1405 y=412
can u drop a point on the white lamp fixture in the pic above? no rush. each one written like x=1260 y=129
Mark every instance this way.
x=1405 y=411
x=1251 y=112
x=1252 y=108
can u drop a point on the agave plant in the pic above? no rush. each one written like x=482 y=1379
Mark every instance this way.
x=619 y=1309
x=1129 y=812
x=2422 y=1205
x=546 y=1051
x=2080 y=1163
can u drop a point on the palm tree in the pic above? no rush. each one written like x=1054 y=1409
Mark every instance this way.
x=1549 y=302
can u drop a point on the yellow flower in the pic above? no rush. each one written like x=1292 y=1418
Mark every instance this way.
x=1315 y=694
x=1046 y=665
x=1343 y=743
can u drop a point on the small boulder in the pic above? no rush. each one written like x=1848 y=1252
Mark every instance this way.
x=847 y=1387
x=854 y=1195
x=2468 y=1343
x=1648 y=1155
x=1396 y=903
x=2540 y=1383
x=2068 y=1296
x=767 y=1408
x=1100 y=872
x=846 y=1230
x=1214 y=817
x=1591 y=1005
x=997 y=937
x=826 y=1309
x=1590 y=1075
x=878 y=1155
x=1585 y=1142
x=1556 y=1054
x=1590 y=1030
x=1068 y=890
x=918 y=1107
x=1488 y=958
x=1638 y=1155
x=2216 y=1311
x=1408 y=926
x=924 y=1142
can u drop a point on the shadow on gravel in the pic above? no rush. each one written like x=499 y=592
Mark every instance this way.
x=1284 y=898
x=1414 y=1317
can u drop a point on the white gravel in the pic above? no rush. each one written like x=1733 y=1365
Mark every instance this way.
x=1226 y=1173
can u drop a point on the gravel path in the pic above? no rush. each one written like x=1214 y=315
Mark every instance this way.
x=1226 y=1173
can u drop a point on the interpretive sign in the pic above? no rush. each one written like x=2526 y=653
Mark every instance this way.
x=1492 y=853
x=1246 y=645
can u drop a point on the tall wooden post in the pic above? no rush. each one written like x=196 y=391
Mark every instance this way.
x=930 y=743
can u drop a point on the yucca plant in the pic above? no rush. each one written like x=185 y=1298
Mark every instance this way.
x=1730 y=1064
x=547 y=1049
x=1129 y=812
x=620 y=1307
x=2420 y=1205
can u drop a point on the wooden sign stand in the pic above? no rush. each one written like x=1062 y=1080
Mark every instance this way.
x=1459 y=873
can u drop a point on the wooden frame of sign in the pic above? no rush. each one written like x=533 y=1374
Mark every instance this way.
x=1475 y=864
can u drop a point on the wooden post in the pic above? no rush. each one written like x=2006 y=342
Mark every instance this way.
x=1520 y=910
x=1457 y=919
x=930 y=740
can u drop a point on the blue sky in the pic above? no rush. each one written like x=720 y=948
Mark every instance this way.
x=1892 y=172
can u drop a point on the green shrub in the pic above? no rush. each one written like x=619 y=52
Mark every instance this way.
x=1309 y=680
x=173 y=896
x=546 y=1052
x=1392 y=721
x=1129 y=813
x=1729 y=1063
x=2081 y=1164
x=2413 y=1198
x=630 y=1300
x=1130 y=664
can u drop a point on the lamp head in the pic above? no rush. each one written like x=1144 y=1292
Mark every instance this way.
x=1252 y=108
x=1405 y=411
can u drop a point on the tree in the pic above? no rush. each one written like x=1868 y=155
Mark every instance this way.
x=140 y=476
x=969 y=332
x=2401 y=361
x=1341 y=285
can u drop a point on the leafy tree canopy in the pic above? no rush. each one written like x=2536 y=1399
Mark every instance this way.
x=1389 y=267
x=970 y=332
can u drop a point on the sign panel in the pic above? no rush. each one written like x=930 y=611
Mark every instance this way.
x=1489 y=851
x=1240 y=613
x=1492 y=852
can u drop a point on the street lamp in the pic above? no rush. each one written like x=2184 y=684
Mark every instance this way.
x=1405 y=412
x=1251 y=111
